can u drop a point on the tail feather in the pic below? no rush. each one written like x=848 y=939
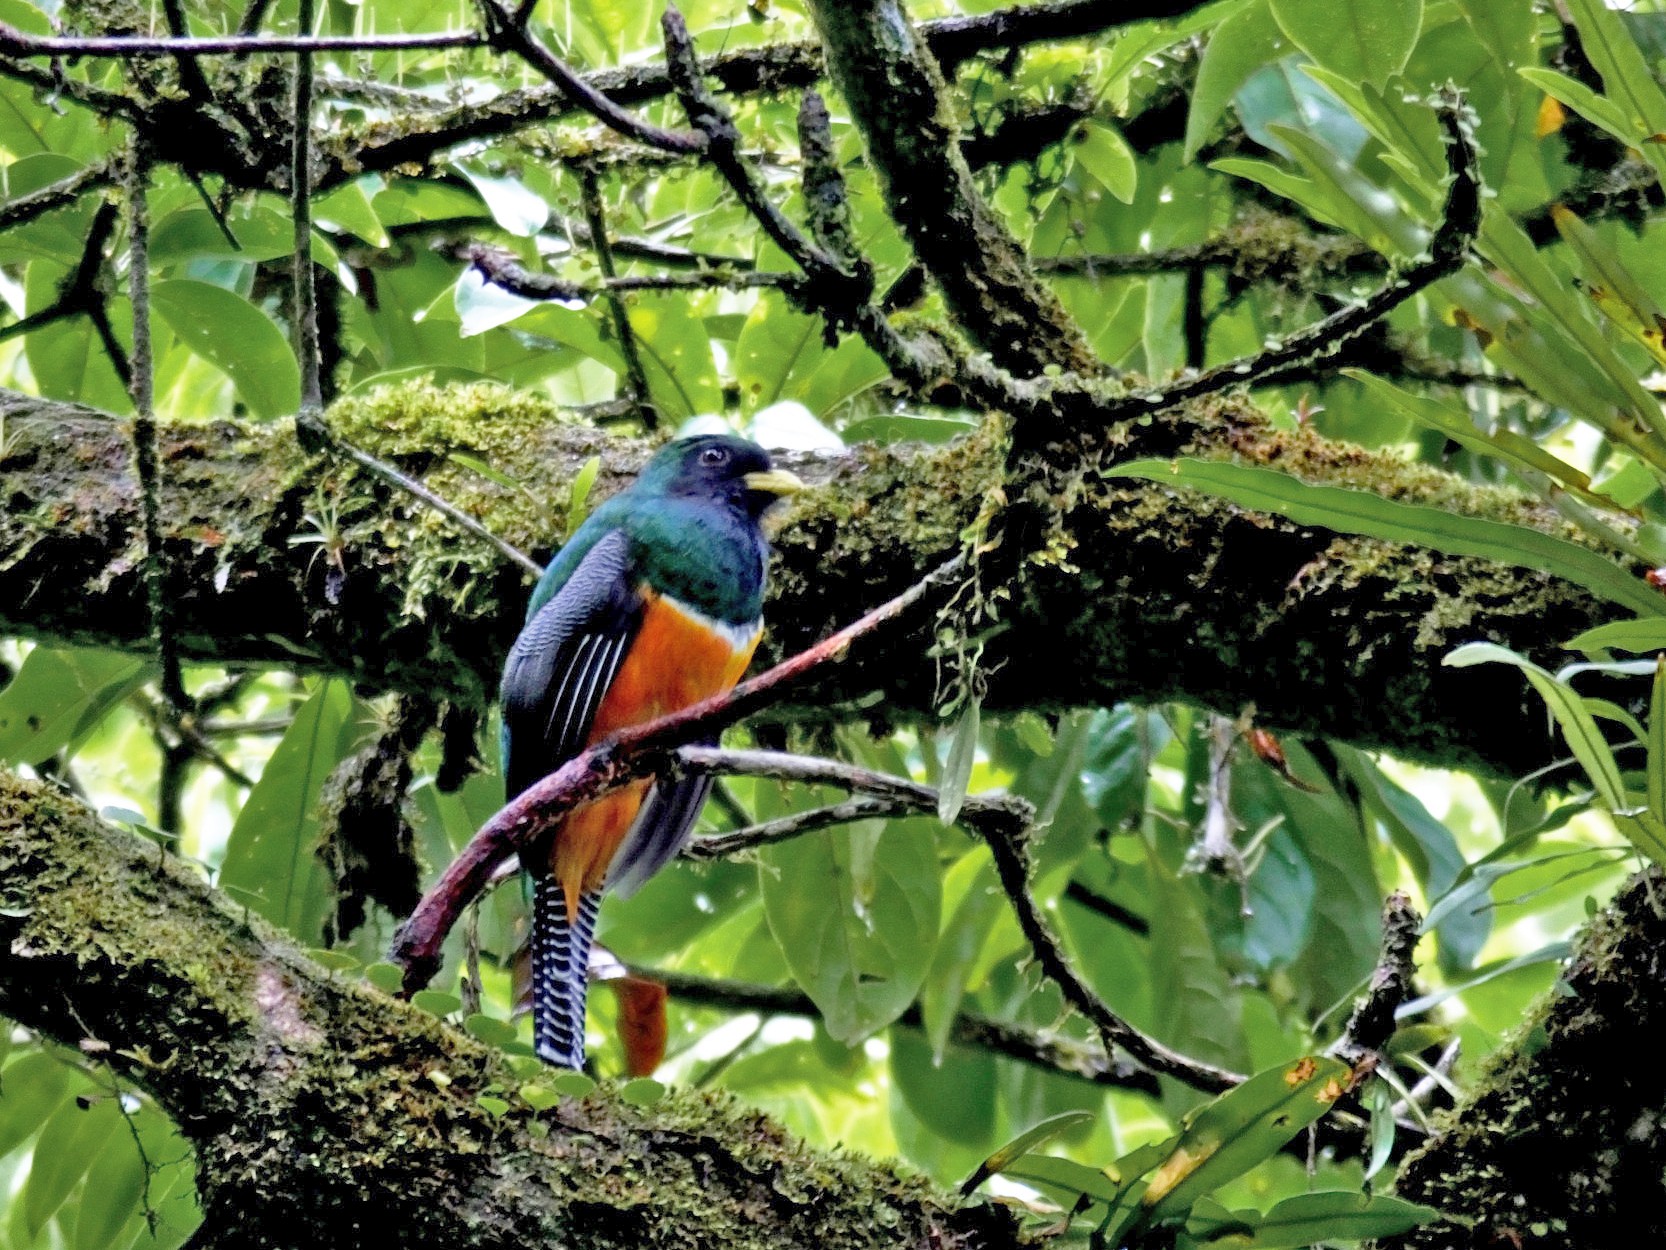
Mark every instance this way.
x=560 y=972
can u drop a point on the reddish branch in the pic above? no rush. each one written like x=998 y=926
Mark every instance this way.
x=634 y=753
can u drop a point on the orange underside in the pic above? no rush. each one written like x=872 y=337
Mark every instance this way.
x=675 y=661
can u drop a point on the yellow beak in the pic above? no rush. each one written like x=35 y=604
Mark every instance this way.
x=774 y=482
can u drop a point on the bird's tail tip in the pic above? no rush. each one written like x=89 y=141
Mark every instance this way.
x=560 y=973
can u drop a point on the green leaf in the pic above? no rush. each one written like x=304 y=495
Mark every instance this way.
x=389 y=978
x=115 y=1184
x=1657 y=745
x=235 y=337
x=490 y=1029
x=953 y=1096
x=861 y=941
x=1032 y=1138
x=349 y=208
x=1104 y=153
x=1429 y=847
x=538 y=1097
x=1239 y=46
x=69 y=1143
x=1574 y=719
x=34 y=1085
x=1243 y=1127
x=572 y=1084
x=972 y=899
x=59 y=695
x=1582 y=100
x=1642 y=634
x=270 y=863
x=644 y=1091
x=1367 y=42
x=957 y=771
x=1361 y=512
x=1335 y=1215
x=436 y=1002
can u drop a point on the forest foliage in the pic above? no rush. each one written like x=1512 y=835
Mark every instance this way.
x=1197 y=189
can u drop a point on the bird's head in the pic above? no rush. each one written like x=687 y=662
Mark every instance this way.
x=719 y=467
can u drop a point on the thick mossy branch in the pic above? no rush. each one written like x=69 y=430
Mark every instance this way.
x=291 y=1081
x=1141 y=593
x=899 y=101
x=1563 y=1141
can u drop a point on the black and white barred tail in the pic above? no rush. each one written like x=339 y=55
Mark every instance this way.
x=560 y=972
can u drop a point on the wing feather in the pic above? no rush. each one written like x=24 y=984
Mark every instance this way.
x=564 y=661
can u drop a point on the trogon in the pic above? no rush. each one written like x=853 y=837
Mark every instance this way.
x=653 y=604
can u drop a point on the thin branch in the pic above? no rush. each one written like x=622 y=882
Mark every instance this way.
x=1038 y=1049
x=1012 y=866
x=14 y=42
x=636 y=378
x=306 y=289
x=503 y=269
x=1110 y=909
x=766 y=70
x=416 y=490
x=1372 y=1023
x=634 y=752
x=840 y=293
x=144 y=430
x=508 y=36
x=766 y=833
x=1448 y=250
x=191 y=77
x=57 y=194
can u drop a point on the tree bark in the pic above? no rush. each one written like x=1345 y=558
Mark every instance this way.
x=1142 y=592
x=292 y=1081
x=1562 y=1142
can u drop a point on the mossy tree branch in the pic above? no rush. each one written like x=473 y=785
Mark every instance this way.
x=1162 y=596
x=1562 y=1140
x=291 y=1081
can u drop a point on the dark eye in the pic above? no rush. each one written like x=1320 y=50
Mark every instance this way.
x=714 y=455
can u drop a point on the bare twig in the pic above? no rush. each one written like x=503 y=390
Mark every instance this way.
x=503 y=270
x=144 y=430
x=14 y=42
x=636 y=378
x=767 y=833
x=1448 y=250
x=306 y=289
x=507 y=35
x=1012 y=865
x=1041 y=1050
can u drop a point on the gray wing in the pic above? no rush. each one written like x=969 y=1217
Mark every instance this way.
x=659 y=831
x=562 y=664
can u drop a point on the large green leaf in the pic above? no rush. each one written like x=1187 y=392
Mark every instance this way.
x=1361 y=512
x=1239 y=46
x=1368 y=42
x=71 y=1140
x=235 y=337
x=1310 y=1219
x=35 y=1083
x=57 y=697
x=855 y=912
x=270 y=863
x=1243 y=1127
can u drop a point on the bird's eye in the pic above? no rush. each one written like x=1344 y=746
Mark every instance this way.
x=714 y=455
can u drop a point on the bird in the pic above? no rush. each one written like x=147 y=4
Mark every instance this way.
x=654 y=603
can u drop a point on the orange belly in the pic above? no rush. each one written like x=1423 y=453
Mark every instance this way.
x=675 y=660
